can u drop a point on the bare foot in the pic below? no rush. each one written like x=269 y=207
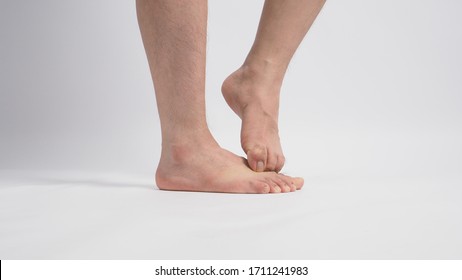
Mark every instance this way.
x=209 y=168
x=254 y=97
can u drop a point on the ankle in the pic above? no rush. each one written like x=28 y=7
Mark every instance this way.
x=177 y=147
x=187 y=137
x=264 y=70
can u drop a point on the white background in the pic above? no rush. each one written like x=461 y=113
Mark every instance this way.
x=370 y=117
x=317 y=270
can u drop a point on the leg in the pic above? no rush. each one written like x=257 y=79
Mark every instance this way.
x=174 y=37
x=253 y=90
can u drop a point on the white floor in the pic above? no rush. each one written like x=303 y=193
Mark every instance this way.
x=402 y=213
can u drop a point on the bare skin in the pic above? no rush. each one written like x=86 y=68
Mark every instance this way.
x=253 y=90
x=174 y=37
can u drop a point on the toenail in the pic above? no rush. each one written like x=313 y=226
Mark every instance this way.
x=260 y=166
x=287 y=188
x=277 y=189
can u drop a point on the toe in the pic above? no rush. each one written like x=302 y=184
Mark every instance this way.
x=272 y=161
x=275 y=188
x=289 y=181
x=298 y=181
x=272 y=182
x=280 y=182
x=280 y=163
x=257 y=158
x=287 y=188
x=263 y=188
x=283 y=185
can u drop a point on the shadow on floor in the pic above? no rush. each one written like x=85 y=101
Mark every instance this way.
x=96 y=180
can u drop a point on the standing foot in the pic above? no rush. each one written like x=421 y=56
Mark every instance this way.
x=254 y=97
x=209 y=168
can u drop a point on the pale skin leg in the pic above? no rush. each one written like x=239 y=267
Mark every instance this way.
x=253 y=90
x=174 y=37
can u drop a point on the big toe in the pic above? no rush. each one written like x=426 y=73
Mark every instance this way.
x=274 y=161
x=298 y=182
x=257 y=157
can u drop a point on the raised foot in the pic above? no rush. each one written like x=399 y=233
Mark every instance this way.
x=217 y=170
x=255 y=99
